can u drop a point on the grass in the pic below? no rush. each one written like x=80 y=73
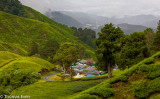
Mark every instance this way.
x=54 y=90
x=16 y=71
x=19 y=32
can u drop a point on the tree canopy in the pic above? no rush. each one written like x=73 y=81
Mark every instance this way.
x=66 y=55
x=108 y=45
x=134 y=49
x=12 y=7
x=86 y=35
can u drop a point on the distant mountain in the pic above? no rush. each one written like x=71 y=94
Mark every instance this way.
x=129 y=29
x=144 y=20
x=95 y=21
x=86 y=18
x=63 y=19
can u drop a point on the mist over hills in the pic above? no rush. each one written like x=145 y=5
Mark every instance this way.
x=129 y=29
x=132 y=24
x=63 y=19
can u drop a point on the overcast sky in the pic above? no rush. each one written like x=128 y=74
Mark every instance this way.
x=109 y=8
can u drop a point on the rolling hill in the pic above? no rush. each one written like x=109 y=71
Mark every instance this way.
x=34 y=26
x=138 y=82
x=63 y=19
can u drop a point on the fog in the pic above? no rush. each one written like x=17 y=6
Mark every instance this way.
x=109 y=8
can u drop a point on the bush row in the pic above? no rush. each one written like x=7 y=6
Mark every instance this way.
x=10 y=81
x=145 y=88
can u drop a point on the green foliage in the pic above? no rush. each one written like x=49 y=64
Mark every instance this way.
x=149 y=60
x=151 y=70
x=107 y=47
x=12 y=7
x=86 y=96
x=156 y=41
x=17 y=78
x=103 y=91
x=144 y=88
x=33 y=49
x=86 y=35
x=133 y=50
x=16 y=71
x=141 y=89
x=54 y=90
x=66 y=55
x=22 y=31
x=49 y=50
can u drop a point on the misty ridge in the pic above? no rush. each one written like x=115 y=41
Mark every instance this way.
x=128 y=24
x=94 y=14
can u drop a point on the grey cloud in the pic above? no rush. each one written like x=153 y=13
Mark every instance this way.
x=117 y=8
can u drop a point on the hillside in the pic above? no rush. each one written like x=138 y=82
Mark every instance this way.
x=140 y=81
x=23 y=31
x=129 y=28
x=17 y=71
x=63 y=19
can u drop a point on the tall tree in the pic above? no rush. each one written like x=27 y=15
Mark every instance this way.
x=156 y=39
x=107 y=44
x=66 y=55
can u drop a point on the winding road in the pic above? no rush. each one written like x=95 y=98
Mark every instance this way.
x=47 y=77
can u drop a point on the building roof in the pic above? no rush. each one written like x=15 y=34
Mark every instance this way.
x=82 y=61
x=79 y=66
x=89 y=68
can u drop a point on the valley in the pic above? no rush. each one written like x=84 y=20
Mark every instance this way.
x=78 y=54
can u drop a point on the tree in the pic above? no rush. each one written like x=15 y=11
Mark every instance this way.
x=156 y=39
x=12 y=7
x=134 y=49
x=149 y=36
x=86 y=35
x=66 y=55
x=50 y=49
x=107 y=44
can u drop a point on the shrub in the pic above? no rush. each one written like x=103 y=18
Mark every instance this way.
x=140 y=90
x=152 y=71
x=86 y=96
x=118 y=78
x=157 y=55
x=144 y=88
x=149 y=60
x=3 y=92
x=19 y=78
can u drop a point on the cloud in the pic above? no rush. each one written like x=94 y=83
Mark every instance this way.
x=116 y=8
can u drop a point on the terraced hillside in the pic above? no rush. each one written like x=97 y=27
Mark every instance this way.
x=139 y=82
x=20 y=31
x=17 y=71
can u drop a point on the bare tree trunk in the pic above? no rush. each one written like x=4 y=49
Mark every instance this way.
x=109 y=71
